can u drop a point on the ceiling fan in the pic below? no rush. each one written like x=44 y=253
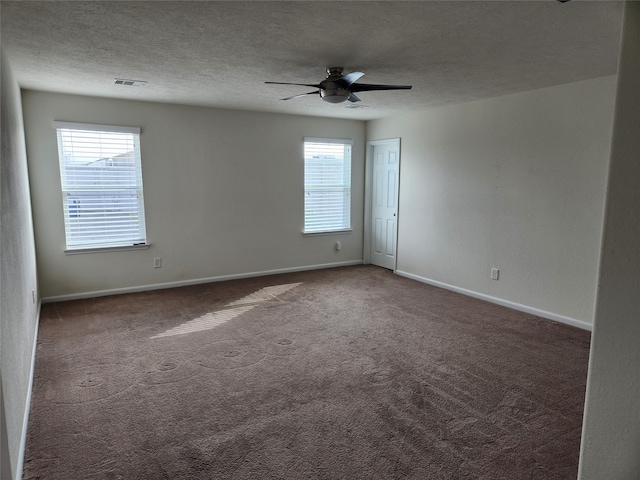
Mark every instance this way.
x=337 y=88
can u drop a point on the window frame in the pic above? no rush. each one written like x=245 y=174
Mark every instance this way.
x=347 y=188
x=133 y=242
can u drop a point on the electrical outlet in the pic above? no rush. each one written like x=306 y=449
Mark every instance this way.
x=338 y=246
x=157 y=262
x=495 y=274
x=33 y=296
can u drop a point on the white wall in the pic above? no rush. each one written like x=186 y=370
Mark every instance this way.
x=18 y=277
x=223 y=193
x=515 y=182
x=611 y=431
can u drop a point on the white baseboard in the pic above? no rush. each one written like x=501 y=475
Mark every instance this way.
x=197 y=281
x=499 y=301
x=27 y=407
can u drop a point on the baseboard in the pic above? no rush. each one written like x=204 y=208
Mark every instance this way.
x=197 y=281
x=499 y=301
x=27 y=407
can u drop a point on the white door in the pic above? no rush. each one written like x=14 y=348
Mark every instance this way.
x=384 y=203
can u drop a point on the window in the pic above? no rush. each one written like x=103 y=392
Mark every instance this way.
x=327 y=185
x=101 y=181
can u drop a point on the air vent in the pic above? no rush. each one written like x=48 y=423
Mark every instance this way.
x=129 y=83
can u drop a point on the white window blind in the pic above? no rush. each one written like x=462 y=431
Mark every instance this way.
x=101 y=180
x=327 y=185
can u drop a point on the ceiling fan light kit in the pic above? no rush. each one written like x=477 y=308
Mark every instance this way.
x=337 y=88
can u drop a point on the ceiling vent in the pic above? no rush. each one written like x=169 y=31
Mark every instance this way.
x=130 y=83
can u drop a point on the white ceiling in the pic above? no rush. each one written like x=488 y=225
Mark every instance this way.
x=220 y=53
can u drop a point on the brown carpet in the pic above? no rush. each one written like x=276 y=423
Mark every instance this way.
x=348 y=373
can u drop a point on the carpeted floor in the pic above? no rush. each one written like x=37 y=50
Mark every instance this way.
x=347 y=373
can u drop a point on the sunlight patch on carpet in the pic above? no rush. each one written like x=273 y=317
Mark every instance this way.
x=206 y=321
x=213 y=319
x=264 y=294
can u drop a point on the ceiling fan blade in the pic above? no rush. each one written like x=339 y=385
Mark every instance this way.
x=301 y=95
x=314 y=85
x=353 y=98
x=348 y=79
x=365 y=87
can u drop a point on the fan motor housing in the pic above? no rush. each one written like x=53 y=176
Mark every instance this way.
x=333 y=93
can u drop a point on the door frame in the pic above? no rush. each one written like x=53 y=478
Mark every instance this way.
x=368 y=197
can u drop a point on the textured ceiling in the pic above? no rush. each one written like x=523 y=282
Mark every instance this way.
x=221 y=53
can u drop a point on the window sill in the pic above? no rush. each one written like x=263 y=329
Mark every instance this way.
x=79 y=251
x=332 y=232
